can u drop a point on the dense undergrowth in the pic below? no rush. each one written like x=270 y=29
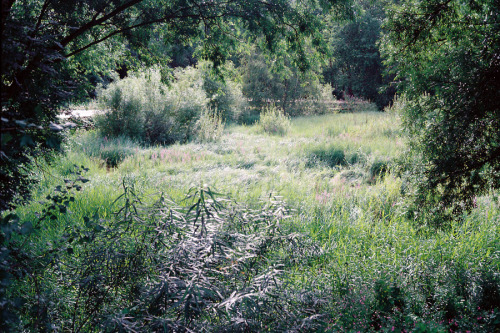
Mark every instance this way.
x=145 y=245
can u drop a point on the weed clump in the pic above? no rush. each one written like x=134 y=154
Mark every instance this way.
x=329 y=155
x=113 y=156
x=274 y=121
x=358 y=105
x=210 y=126
x=379 y=168
x=111 y=150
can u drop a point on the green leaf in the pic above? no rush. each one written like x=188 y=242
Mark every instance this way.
x=6 y=137
x=26 y=228
x=27 y=140
x=53 y=142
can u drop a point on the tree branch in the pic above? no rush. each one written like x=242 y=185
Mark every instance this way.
x=40 y=17
x=163 y=19
x=94 y=22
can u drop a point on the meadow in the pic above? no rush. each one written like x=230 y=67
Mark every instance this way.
x=356 y=262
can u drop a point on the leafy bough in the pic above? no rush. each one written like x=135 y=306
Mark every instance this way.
x=206 y=264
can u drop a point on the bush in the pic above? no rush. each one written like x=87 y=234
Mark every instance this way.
x=144 y=108
x=356 y=105
x=113 y=156
x=225 y=95
x=210 y=126
x=379 y=168
x=210 y=265
x=274 y=121
x=329 y=155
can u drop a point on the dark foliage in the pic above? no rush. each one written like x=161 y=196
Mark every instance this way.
x=448 y=58
x=209 y=265
x=22 y=262
x=284 y=85
x=378 y=168
x=356 y=68
x=331 y=156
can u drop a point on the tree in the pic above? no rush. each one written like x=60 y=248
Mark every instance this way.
x=281 y=82
x=50 y=48
x=356 y=65
x=447 y=55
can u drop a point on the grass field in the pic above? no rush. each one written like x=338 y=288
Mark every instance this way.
x=365 y=266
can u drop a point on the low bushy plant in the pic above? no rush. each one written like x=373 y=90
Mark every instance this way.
x=224 y=94
x=356 y=104
x=274 y=121
x=113 y=156
x=210 y=126
x=143 y=107
x=332 y=156
x=378 y=168
x=210 y=264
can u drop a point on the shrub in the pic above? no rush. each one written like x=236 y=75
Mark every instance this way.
x=329 y=155
x=325 y=100
x=224 y=94
x=122 y=102
x=211 y=265
x=274 y=121
x=113 y=156
x=210 y=126
x=357 y=157
x=378 y=168
x=144 y=108
x=356 y=105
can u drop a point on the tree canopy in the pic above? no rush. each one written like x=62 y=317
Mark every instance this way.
x=356 y=66
x=446 y=54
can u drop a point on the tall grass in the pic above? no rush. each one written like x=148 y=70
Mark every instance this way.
x=366 y=266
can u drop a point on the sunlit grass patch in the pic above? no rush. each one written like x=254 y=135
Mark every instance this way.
x=362 y=262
